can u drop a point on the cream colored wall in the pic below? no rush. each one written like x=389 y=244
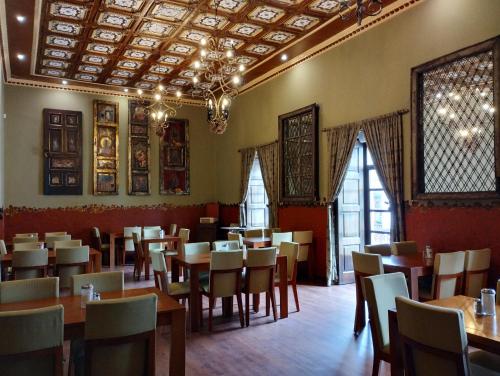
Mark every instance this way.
x=368 y=75
x=23 y=151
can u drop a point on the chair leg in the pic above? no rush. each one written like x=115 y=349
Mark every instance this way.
x=211 y=301
x=240 y=309
x=247 y=308
x=296 y=296
x=359 y=318
x=200 y=313
x=267 y=303
x=376 y=365
x=273 y=302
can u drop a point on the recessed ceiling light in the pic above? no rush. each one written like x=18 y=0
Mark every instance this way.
x=125 y=90
x=21 y=57
x=20 y=18
x=284 y=57
x=64 y=82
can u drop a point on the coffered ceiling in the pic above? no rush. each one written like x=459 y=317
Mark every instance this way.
x=131 y=44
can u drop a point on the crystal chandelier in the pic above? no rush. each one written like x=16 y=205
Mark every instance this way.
x=369 y=8
x=160 y=109
x=218 y=75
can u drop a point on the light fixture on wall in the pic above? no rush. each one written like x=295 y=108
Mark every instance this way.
x=363 y=8
x=160 y=109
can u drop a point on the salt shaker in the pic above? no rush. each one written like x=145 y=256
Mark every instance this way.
x=478 y=307
x=488 y=301
x=86 y=294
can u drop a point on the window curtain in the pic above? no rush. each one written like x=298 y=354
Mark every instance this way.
x=384 y=137
x=340 y=144
x=247 y=158
x=268 y=158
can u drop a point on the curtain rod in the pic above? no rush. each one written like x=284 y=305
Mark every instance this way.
x=399 y=112
x=258 y=146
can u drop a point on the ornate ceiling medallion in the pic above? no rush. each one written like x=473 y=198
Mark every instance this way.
x=59 y=64
x=182 y=49
x=116 y=81
x=129 y=64
x=246 y=30
x=260 y=49
x=161 y=69
x=230 y=6
x=156 y=29
x=170 y=60
x=85 y=77
x=107 y=35
x=114 y=20
x=152 y=77
x=101 y=48
x=145 y=42
x=90 y=69
x=94 y=59
x=73 y=11
x=279 y=37
x=302 y=22
x=58 y=41
x=65 y=27
x=266 y=14
x=53 y=72
x=137 y=54
x=193 y=35
x=59 y=54
x=324 y=6
x=126 y=5
x=210 y=21
x=170 y=12
x=122 y=73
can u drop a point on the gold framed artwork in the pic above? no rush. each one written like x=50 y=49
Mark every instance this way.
x=106 y=157
x=139 y=156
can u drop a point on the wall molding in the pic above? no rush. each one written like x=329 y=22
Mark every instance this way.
x=478 y=204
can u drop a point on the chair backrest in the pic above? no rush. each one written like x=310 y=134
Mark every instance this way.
x=380 y=293
x=305 y=239
x=433 y=338
x=260 y=266
x=268 y=232
x=3 y=248
x=367 y=264
x=184 y=235
x=173 y=229
x=160 y=270
x=127 y=233
x=32 y=341
x=153 y=233
x=71 y=261
x=448 y=274
x=138 y=250
x=291 y=251
x=28 y=246
x=225 y=273
x=235 y=236
x=27 y=235
x=67 y=243
x=29 y=289
x=56 y=233
x=404 y=248
x=278 y=237
x=158 y=228
x=255 y=233
x=24 y=239
x=50 y=240
x=196 y=248
x=226 y=245
x=379 y=249
x=115 y=328
x=477 y=265
x=95 y=239
x=102 y=282
x=30 y=263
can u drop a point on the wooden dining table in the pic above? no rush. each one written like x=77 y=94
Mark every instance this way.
x=201 y=263
x=483 y=332
x=257 y=242
x=169 y=312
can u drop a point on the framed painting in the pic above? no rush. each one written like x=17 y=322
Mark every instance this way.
x=62 y=152
x=298 y=153
x=174 y=158
x=139 y=160
x=106 y=158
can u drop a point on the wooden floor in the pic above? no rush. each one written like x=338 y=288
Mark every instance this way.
x=317 y=341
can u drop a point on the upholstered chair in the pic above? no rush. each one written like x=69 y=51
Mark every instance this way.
x=196 y=248
x=27 y=235
x=96 y=242
x=51 y=239
x=268 y=232
x=434 y=342
x=235 y=236
x=56 y=233
x=158 y=228
x=226 y=245
x=120 y=336
x=379 y=249
x=224 y=281
x=28 y=246
x=30 y=264
x=305 y=239
x=278 y=237
x=3 y=248
x=71 y=261
x=184 y=235
x=29 y=289
x=255 y=233
x=102 y=282
x=259 y=277
x=67 y=243
x=153 y=232
x=380 y=292
x=291 y=251
x=128 y=242
x=172 y=229
x=32 y=342
x=24 y=239
x=447 y=277
x=365 y=265
x=477 y=266
x=177 y=290
x=404 y=248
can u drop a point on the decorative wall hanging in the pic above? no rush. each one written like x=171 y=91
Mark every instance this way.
x=62 y=152
x=298 y=153
x=106 y=161
x=174 y=158
x=139 y=176
x=455 y=125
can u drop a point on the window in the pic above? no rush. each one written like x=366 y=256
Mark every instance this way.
x=377 y=212
x=256 y=203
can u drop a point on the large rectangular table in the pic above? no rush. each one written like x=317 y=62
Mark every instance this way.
x=168 y=310
x=257 y=242
x=483 y=332
x=201 y=263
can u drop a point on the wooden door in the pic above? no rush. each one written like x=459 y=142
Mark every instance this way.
x=62 y=146
x=350 y=218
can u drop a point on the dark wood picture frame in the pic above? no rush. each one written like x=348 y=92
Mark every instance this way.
x=106 y=148
x=418 y=173
x=174 y=159
x=139 y=150
x=62 y=152
x=307 y=169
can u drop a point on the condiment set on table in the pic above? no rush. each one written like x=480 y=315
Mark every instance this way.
x=485 y=306
x=88 y=294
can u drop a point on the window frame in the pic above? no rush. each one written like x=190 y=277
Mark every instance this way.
x=266 y=198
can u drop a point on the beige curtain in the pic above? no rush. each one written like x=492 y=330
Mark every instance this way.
x=247 y=158
x=340 y=144
x=268 y=158
x=384 y=138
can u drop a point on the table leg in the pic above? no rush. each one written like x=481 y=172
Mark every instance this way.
x=256 y=302
x=283 y=286
x=175 y=270
x=112 y=250
x=227 y=307
x=414 y=284
x=97 y=263
x=397 y=367
x=177 y=366
x=146 y=262
x=194 y=299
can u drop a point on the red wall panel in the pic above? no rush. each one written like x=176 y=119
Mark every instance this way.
x=229 y=214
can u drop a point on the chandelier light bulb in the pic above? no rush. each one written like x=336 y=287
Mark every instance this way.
x=153 y=115
x=178 y=94
x=21 y=57
x=160 y=115
x=475 y=130
x=241 y=68
x=439 y=95
x=457 y=97
x=224 y=103
x=236 y=80
x=203 y=42
x=196 y=79
x=139 y=92
x=203 y=52
x=210 y=103
x=486 y=107
x=229 y=54
x=197 y=64
x=464 y=133
x=483 y=94
x=442 y=111
x=157 y=97
x=452 y=116
x=166 y=116
x=491 y=110
x=161 y=87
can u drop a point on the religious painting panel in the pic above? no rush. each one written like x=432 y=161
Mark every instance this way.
x=139 y=160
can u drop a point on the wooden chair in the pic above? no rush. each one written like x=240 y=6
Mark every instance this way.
x=71 y=261
x=226 y=245
x=30 y=264
x=268 y=232
x=434 y=342
x=279 y=237
x=67 y=243
x=56 y=233
x=225 y=281
x=102 y=282
x=28 y=246
x=305 y=239
x=380 y=292
x=32 y=342
x=259 y=277
x=153 y=232
x=29 y=289
x=447 y=277
x=172 y=229
x=291 y=251
x=139 y=256
x=27 y=235
x=128 y=242
x=51 y=239
x=404 y=248
x=477 y=266
x=197 y=248
x=365 y=265
x=24 y=239
x=236 y=236
x=96 y=242
x=379 y=249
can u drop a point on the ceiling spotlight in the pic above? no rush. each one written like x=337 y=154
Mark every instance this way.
x=20 y=18
x=284 y=57
x=21 y=57
x=125 y=90
x=139 y=92
x=236 y=80
x=241 y=68
x=64 y=82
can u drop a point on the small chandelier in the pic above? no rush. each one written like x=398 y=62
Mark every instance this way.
x=369 y=8
x=159 y=110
